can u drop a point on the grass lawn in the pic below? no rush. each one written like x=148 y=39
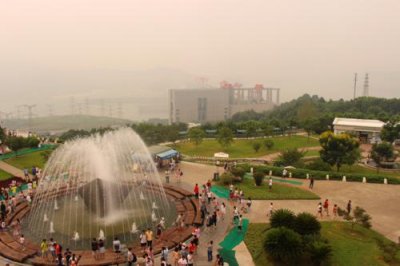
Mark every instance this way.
x=278 y=192
x=27 y=161
x=243 y=148
x=351 y=247
x=364 y=170
x=4 y=175
x=312 y=153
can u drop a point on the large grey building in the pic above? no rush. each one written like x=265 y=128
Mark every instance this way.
x=213 y=105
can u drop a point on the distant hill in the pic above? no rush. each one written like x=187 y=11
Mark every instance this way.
x=59 y=124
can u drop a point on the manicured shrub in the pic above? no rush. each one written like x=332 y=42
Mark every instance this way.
x=321 y=175
x=282 y=217
x=238 y=171
x=283 y=244
x=318 y=165
x=258 y=178
x=226 y=178
x=306 y=224
x=319 y=252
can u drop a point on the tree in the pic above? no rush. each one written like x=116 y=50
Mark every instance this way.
x=283 y=244
x=225 y=136
x=290 y=157
x=258 y=178
x=16 y=143
x=307 y=224
x=2 y=135
x=391 y=131
x=196 y=135
x=282 y=217
x=268 y=144
x=256 y=146
x=338 y=149
x=32 y=142
x=382 y=152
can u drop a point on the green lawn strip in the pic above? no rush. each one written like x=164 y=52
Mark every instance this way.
x=278 y=191
x=351 y=247
x=254 y=241
x=243 y=148
x=231 y=240
x=4 y=175
x=278 y=179
x=27 y=161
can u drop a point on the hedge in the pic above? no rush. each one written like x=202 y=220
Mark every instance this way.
x=321 y=175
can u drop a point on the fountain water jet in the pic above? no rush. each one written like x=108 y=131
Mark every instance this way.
x=103 y=183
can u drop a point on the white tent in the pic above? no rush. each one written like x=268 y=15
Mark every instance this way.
x=221 y=155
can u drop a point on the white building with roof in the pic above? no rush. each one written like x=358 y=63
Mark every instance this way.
x=367 y=130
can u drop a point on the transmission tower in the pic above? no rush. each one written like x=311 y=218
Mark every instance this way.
x=355 y=86
x=366 y=86
x=30 y=114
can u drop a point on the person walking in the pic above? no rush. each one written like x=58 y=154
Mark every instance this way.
x=131 y=257
x=326 y=207
x=311 y=185
x=319 y=210
x=334 y=210
x=271 y=209
x=270 y=183
x=349 y=207
x=149 y=237
x=210 y=247
x=196 y=191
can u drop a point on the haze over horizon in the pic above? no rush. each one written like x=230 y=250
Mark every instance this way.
x=131 y=52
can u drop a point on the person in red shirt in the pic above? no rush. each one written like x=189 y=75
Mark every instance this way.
x=58 y=249
x=196 y=191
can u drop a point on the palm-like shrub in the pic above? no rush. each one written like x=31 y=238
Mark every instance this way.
x=283 y=217
x=306 y=224
x=258 y=178
x=319 y=252
x=283 y=244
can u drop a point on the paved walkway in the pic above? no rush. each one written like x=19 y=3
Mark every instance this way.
x=12 y=169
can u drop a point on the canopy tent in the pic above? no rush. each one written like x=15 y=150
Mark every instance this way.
x=221 y=155
x=167 y=154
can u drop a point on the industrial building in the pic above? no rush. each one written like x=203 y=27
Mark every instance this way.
x=213 y=105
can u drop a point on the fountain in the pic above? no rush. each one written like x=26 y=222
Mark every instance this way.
x=134 y=229
x=101 y=235
x=51 y=231
x=104 y=185
x=76 y=236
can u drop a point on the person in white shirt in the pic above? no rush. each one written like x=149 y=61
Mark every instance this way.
x=182 y=261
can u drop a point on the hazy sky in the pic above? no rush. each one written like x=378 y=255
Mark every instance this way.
x=53 y=49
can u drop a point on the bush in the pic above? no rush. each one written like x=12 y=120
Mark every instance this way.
x=283 y=244
x=321 y=175
x=290 y=156
x=238 y=171
x=258 y=178
x=268 y=143
x=256 y=146
x=361 y=217
x=306 y=224
x=319 y=252
x=318 y=165
x=226 y=178
x=283 y=217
